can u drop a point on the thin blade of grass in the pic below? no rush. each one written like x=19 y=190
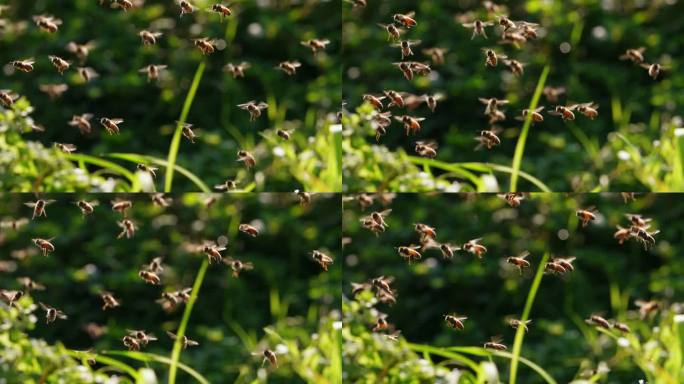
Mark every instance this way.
x=520 y=333
x=520 y=146
x=152 y=357
x=113 y=167
x=135 y=158
x=123 y=367
x=444 y=353
x=175 y=141
x=479 y=351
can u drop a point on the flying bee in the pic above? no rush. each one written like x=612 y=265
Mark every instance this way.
x=185 y=342
x=315 y=44
x=213 y=252
x=82 y=122
x=284 y=134
x=250 y=230
x=425 y=231
x=237 y=70
x=47 y=23
x=552 y=93
x=487 y=139
x=409 y=253
x=121 y=206
x=586 y=215
x=222 y=10
x=322 y=259
x=492 y=58
x=426 y=149
x=359 y=287
x=405 y=46
x=382 y=283
x=80 y=50
x=492 y=104
x=405 y=68
x=142 y=336
x=436 y=55
x=59 y=63
x=519 y=261
x=513 y=199
x=109 y=301
x=455 y=321
x=405 y=19
x=474 y=247
x=643 y=236
x=393 y=33
x=598 y=321
x=125 y=5
x=565 y=112
x=378 y=217
x=304 y=198
x=394 y=336
x=66 y=148
x=506 y=23
x=7 y=97
x=622 y=327
x=171 y=299
x=45 y=245
x=590 y=110
x=185 y=7
x=29 y=284
x=653 y=69
x=622 y=234
x=448 y=250
x=372 y=226
x=10 y=297
x=39 y=207
x=529 y=30
x=411 y=124
x=382 y=120
x=227 y=185
x=515 y=323
x=253 y=108
x=646 y=307
x=553 y=267
x=152 y=171
x=381 y=323
x=131 y=343
x=516 y=67
x=188 y=132
x=375 y=101
x=149 y=277
x=128 y=228
x=420 y=68
x=205 y=45
x=159 y=200
x=478 y=27
x=149 y=37
x=496 y=344
x=87 y=73
x=628 y=196
x=566 y=263
x=513 y=37
x=25 y=65
x=635 y=55
x=638 y=220
x=535 y=115
x=247 y=158
x=289 y=67
x=14 y=224
x=396 y=99
x=238 y=266
x=111 y=125
x=269 y=356
x=152 y=71
x=431 y=100
x=52 y=313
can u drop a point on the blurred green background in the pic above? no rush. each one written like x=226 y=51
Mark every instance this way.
x=286 y=292
x=632 y=145
x=608 y=278
x=262 y=33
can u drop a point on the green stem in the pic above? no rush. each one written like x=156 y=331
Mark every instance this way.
x=175 y=141
x=135 y=158
x=147 y=357
x=520 y=333
x=520 y=146
x=175 y=354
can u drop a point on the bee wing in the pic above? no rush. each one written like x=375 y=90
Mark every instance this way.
x=116 y=121
x=468 y=25
x=192 y=343
x=645 y=65
x=71 y=47
x=171 y=335
x=410 y=14
x=262 y=105
x=44 y=306
x=524 y=254
x=245 y=105
x=475 y=241
x=554 y=113
x=87 y=116
x=538 y=110
x=30 y=204
x=483 y=100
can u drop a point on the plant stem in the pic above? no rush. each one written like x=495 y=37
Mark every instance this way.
x=175 y=354
x=520 y=333
x=175 y=141
x=520 y=146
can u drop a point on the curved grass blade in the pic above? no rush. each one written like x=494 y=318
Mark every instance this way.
x=479 y=351
x=135 y=158
x=113 y=167
x=444 y=353
x=152 y=357
x=120 y=366
x=520 y=146
x=175 y=141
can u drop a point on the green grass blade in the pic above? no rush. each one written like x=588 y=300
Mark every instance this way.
x=113 y=167
x=520 y=333
x=479 y=351
x=175 y=141
x=445 y=353
x=135 y=158
x=123 y=367
x=175 y=354
x=520 y=146
x=152 y=357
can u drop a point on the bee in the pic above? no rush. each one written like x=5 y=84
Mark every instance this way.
x=52 y=313
x=586 y=215
x=128 y=228
x=185 y=342
x=47 y=23
x=529 y=30
x=478 y=27
x=396 y=99
x=149 y=37
x=394 y=336
x=378 y=217
x=268 y=355
x=322 y=259
x=289 y=67
x=492 y=104
x=553 y=267
x=552 y=93
x=39 y=207
x=495 y=343
x=82 y=122
x=506 y=23
x=303 y=197
x=393 y=33
x=213 y=252
x=513 y=37
x=516 y=67
x=643 y=236
x=386 y=297
x=315 y=44
x=638 y=220
x=492 y=58
x=653 y=69
x=474 y=247
x=87 y=73
x=628 y=196
x=448 y=250
x=635 y=55
x=142 y=336
x=253 y=108
x=152 y=71
x=565 y=112
x=159 y=200
x=519 y=261
x=174 y=298
x=455 y=321
x=237 y=70
x=405 y=68
x=155 y=266
x=622 y=327
x=515 y=323
x=29 y=284
x=185 y=7
x=25 y=65
x=227 y=185
x=411 y=124
x=431 y=101
x=205 y=45
x=59 y=63
x=405 y=19
x=151 y=170
x=284 y=134
x=487 y=139
x=566 y=263
x=149 y=277
x=14 y=224
x=436 y=55
x=222 y=10
x=426 y=149
x=589 y=110
x=7 y=97
x=409 y=253
x=381 y=323
x=425 y=231
x=66 y=148
x=646 y=307
x=187 y=132
x=125 y=5
x=622 y=234
x=420 y=68
x=535 y=115
x=238 y=266
x=359 y=287
x=382 y=283
x=247 y=158
x=131 y=343
x=249 y=230
x=513 y=198
x=121 y=206
x=111 y=125
x=80 y=50
x=365 y=200
x=382 y=120
x=10 y=297
x=405 y=46
x=109 y=301
x=598 y=321
x=371 y=225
